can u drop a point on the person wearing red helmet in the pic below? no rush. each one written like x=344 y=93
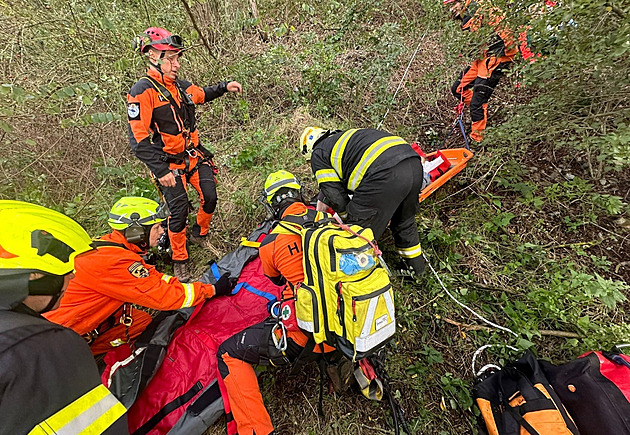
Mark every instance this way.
x=476 y=83
x=163 y=135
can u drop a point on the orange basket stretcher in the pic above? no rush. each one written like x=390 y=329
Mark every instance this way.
x=458 y=157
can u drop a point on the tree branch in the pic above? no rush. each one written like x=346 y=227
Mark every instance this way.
x=198 y=29
x=547 y=332
x=617 y=10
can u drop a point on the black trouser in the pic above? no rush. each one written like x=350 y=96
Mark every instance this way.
x=391 y=195
x=254 y=345
x=202 y=179
x=482 y=89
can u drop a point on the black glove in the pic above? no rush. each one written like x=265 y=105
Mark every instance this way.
x=225 y=285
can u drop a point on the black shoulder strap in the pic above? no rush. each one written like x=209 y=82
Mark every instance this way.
x=308 y=219
x=181 y=113
x=104 y=243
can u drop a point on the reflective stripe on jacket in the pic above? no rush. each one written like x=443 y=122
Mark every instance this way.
x=91 y=413
x=49 y=383
x=343 y=161
x=110 y=276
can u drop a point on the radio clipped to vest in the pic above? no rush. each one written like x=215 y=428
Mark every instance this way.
x=346 y=299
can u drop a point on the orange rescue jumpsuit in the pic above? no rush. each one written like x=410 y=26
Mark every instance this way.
x=476 y=84
x=166 y=142
x=281 y=255
x=111 y=276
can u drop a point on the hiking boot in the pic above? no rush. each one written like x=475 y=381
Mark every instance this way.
x=341 y=375
x=181 y=272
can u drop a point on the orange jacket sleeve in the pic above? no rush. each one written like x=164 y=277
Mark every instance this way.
x=140 y=105
x=128 y=278
x=266 y=254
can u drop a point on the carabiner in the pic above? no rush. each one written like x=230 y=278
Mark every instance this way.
x=280 y=343
x=275 y=309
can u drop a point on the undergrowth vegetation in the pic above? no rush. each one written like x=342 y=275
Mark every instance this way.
x=533 y=235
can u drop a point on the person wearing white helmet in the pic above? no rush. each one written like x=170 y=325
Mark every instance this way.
x=370 y=178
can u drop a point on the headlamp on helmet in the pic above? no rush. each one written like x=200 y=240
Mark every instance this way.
x=159 y=39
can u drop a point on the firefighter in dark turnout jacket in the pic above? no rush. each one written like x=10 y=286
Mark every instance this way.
x=163 y=134
x=281 y=256
x=475 y=85
x=370 y=178
x=49 y=382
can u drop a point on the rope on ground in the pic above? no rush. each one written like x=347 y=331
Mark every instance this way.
x=487 y=366
x=402 y=80
x=466 y=307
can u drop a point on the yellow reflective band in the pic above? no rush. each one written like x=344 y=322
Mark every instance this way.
x=338 y=149
x=117 y=342
x=249 y=243
x=166 y=277
x=326 y=176
x=189 y=289
x=368 y=157
x=91 y=413
x=411 y=252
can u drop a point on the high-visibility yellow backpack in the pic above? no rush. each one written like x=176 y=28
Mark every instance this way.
x=346 y=299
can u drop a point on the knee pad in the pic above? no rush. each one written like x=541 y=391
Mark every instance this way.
x=210 y=204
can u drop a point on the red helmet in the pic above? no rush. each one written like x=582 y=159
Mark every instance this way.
x=160 y=39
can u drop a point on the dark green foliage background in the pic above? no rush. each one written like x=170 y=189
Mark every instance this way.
x=533 y=235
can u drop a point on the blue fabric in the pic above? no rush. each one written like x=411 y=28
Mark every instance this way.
x=215 y=271
x=254 y=290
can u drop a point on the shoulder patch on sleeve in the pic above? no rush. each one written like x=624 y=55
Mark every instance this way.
x=138 y=270
x=133 y=111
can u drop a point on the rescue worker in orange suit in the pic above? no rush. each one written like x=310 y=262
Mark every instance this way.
x=49 y=382
x=370 y=178
x=281 y=256
x=163 y=135
x=475 y=85
x=114 y=292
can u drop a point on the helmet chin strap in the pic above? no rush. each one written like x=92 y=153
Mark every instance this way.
x=48 y=285
x=158 y=64
x=52 y=303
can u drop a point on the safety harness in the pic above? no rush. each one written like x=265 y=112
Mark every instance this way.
x=122 y=315
x=186 y=117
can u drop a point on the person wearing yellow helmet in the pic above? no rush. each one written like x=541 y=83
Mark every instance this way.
x=49 y=381
x=115 y=291
x=281 y=257
x=282 y=189
x=370 y=178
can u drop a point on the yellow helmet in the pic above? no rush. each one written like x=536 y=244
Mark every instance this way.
x=280 y=180
x=36 y=239
x=134 y=210
x=308 y=139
